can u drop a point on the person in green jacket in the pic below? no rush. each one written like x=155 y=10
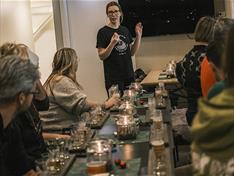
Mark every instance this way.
x=213 y=126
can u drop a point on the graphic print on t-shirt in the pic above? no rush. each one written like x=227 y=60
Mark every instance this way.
x=122 y=45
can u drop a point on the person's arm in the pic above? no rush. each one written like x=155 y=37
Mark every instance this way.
x=69 y=97
x=41 y=100
x=104 y=53
x=92 y=104
x=32 y=173
x=136 y=44
x=114 y=100
x=55 y=136
x=41 y=91
x=41 y=105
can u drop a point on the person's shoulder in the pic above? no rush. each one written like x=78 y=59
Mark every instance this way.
x=61 y=81
x=104 y=28
x=197 y=52
x=219 y=85
x=199 y=48
x=13 y=130
x=65 y=80
x=216 y=89
x=224 y=99
x=123 y=28
x=59 y=78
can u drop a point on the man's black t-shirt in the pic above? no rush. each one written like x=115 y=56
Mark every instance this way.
x=2 y=146
x=30 y=127
x=17 y=160
x=118 y=66
x=13 y=158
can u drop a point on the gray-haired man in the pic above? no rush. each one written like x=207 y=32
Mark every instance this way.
x=17 y=86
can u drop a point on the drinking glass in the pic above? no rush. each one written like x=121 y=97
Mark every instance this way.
x=159 y=162
x=41 y=166
x=159 y=96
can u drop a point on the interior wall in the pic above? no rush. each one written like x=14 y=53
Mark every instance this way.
x=229 y=8
x=45 y=47
x=12 y=31
x=85 y=18
x=232 y=8
x=16 y=22
x=44 y=35
x=156 y=52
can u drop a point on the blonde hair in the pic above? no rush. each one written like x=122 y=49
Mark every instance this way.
x=14 y=49
x=65 y=63
x=204 y=29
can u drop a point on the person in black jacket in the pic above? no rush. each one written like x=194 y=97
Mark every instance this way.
x=30 y=127
x=28 y=122
x=17 y=85
x=188 y=69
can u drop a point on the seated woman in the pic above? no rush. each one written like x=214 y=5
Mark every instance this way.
x=67 y=102
x=213 y=126
x=188 y=69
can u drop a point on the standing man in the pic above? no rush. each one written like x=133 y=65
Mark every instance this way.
x=17 y=86
x=116 y=47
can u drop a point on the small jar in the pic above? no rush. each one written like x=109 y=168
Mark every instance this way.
x=127 y=108
x=129 y=95
x=126 y=127
x=99 y=156
x=136 y=86
x=113 y=90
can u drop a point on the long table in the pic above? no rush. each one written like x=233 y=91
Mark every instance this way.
x=153 y=78
x=136 y=153
x=126 y=151
x=177 y=93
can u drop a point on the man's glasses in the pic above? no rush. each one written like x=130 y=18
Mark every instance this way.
x=113 y=12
